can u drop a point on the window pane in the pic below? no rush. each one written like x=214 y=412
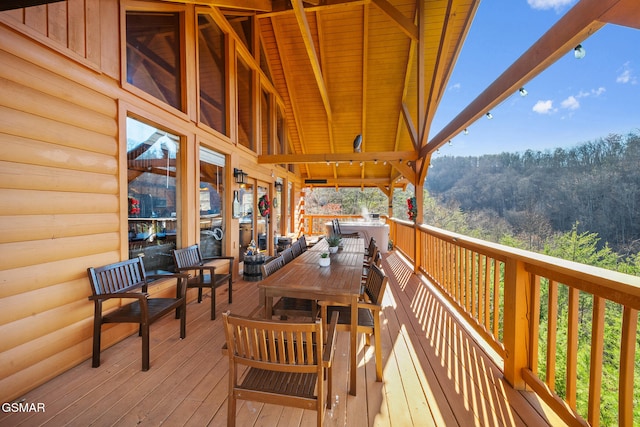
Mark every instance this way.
x=212 y=188
x=265 y=117
x=152 y=175
x=245 y=197
x=153 y=55
x=242 y=25
x=211 y=51
x=245 y=110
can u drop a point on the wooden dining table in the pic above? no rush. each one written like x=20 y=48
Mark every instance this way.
x=339 y=282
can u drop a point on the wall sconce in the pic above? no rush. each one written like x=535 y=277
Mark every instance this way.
x=489 y=116
x=278 y=186
x=523 y=92
x=579 y=52
x=239 y=176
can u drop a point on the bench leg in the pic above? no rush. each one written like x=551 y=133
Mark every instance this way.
x=213 y=303
x=97 y=326
x=144 y=328
x=230 y=291
x=183 y=321
x=199 y=295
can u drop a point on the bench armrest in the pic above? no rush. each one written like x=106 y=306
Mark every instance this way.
x=135 y=295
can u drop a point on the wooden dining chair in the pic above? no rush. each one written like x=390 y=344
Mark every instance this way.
x=202 y=273
x=377 y=260
x=339 y=232
x=369 y=309
x=303 y=243
x=272 y=265
x=296 y=248
x=286 y=363
x=370 y=247
x=287 y=255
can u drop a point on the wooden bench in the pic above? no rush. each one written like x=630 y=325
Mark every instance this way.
x=128 y=280
x=202 y=274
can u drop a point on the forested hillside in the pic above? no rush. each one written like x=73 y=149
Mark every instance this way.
x=539 y=194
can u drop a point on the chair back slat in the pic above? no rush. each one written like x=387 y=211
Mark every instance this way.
x=375 y=285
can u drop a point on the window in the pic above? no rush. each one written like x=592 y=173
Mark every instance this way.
x=153 y=55
x=245 y=105
x=212 y=63
x=212 y=190
x=152 y=174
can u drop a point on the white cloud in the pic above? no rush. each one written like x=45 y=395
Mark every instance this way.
x=549 y=4
x=592 y=92
x=626 y=75
x=455 y=86
x=571 y=103
x=544 y=107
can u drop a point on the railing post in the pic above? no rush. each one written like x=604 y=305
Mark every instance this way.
x=517 y=285
x=417 y=249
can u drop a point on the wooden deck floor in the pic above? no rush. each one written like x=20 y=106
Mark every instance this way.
x=435 y=374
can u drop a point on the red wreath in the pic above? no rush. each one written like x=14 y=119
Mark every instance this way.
x=264 y=206
x=134 y=206
x=412 y=210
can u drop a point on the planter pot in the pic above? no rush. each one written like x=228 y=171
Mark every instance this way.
x=324 y=262
x=333 y=249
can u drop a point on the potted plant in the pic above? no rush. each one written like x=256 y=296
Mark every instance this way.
x=334 y=241
x=324 y=259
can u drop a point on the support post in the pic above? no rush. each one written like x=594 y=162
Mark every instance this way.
x=517 y=286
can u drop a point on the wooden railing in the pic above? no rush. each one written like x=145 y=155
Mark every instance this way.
x=502 y=291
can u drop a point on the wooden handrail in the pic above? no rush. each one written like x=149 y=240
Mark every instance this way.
x=499 y=291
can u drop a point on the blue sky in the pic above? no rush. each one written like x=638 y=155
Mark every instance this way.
x=571 y=102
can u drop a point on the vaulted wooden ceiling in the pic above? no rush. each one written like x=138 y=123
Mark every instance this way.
x=373 y=68
x=379 y=68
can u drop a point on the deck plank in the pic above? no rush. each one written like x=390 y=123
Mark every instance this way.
x=435 y=373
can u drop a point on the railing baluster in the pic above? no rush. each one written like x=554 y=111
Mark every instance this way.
x=595 y=371
x=552 y=333
x=572 y=348
x=627 y=363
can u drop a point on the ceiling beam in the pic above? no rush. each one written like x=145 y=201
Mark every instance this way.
x=574 y=27
x=405 y=24
x=249 y=5
x=301 y=17
x=350 y=182
x=338 y=157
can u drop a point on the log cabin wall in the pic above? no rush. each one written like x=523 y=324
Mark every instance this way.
x=63 y=179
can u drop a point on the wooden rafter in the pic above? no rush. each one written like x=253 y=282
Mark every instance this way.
x=313 y=56
x=405 y=24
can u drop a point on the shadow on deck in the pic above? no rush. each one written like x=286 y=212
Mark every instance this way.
x=435 y=373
